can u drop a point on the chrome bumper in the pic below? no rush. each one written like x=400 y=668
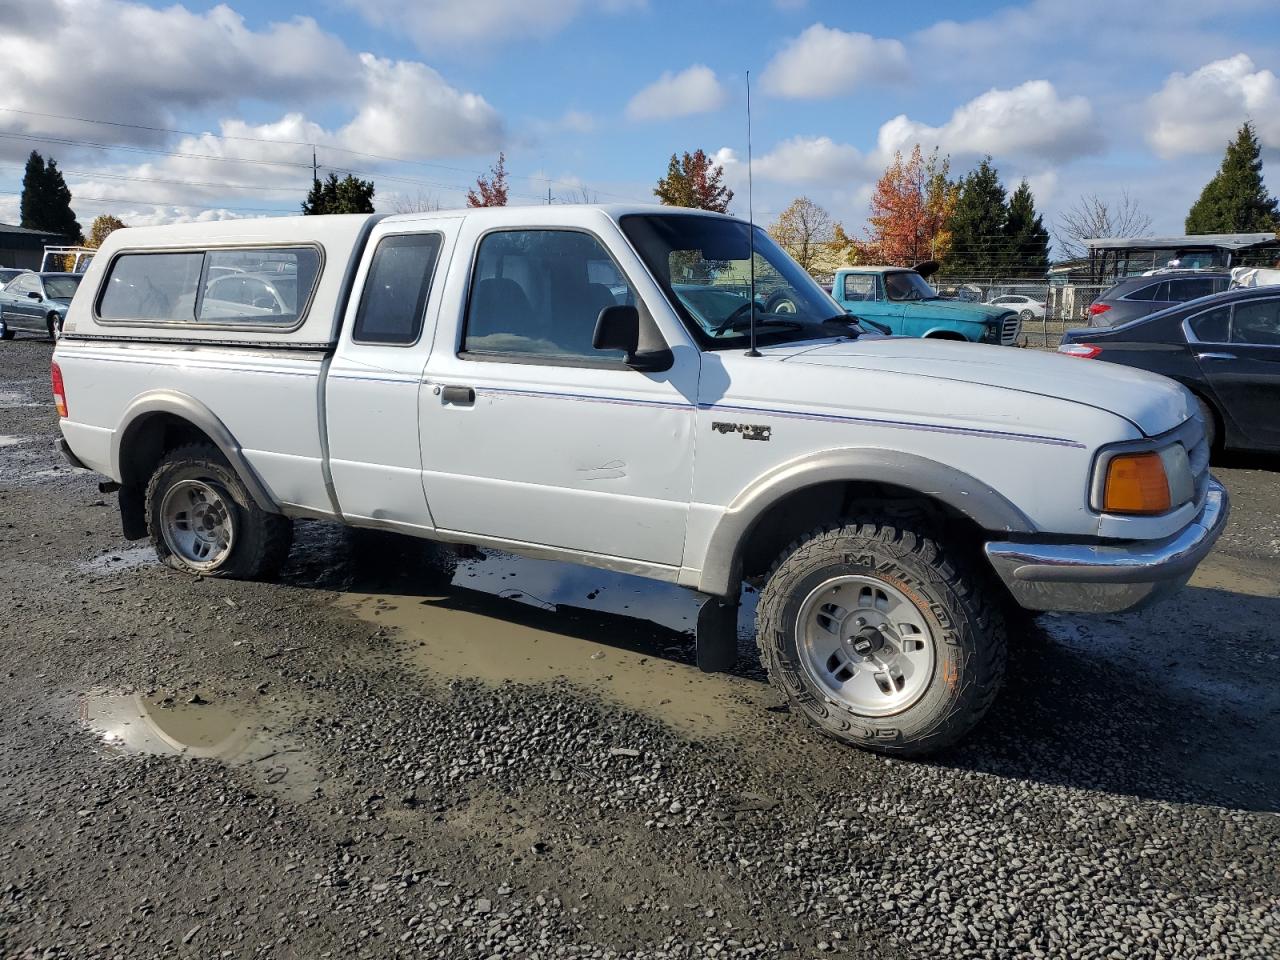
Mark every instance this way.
x=1109 y=578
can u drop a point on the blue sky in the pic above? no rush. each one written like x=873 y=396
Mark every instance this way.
x=1089 y=97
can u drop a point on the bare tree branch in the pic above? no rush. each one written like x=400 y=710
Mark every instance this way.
x=1092 y=217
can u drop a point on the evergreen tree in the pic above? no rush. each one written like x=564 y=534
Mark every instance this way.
x=348 y=195
x=979 y=244
x=46 y=200
x=1028 y=239
x=1236 y=200
x=694 y=180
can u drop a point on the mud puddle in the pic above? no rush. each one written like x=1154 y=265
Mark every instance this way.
x=499 y=618
x=10 y=441
x=118 y=561
x=16 y=398
x=233 y=732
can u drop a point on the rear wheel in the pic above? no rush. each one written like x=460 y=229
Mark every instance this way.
x=1026 y=315
x=53 y=323
x=880 y=639
x=203 y=520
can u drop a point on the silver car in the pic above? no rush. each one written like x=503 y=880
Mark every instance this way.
x=36 y=302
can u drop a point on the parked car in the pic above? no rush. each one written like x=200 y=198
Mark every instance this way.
x=902 y=300
x=1225 y=349
x=1135 y=297
x=544 y=380
x=37 y=302
x=1028 y=307
x=9 y=273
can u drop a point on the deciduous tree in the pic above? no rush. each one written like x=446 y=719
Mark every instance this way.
x=694 y=180
x=1091 y=217
x=804 y=230
x=491 y=191
x=46 y=200
x=1236 y=199
x=348 y=195
x=911 y=210
x=102 y=227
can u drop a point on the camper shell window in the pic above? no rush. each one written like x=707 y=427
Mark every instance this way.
x=228 y=287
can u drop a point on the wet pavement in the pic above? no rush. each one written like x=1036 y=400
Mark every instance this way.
x=407 y=750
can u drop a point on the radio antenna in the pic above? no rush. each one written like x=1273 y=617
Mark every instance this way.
x=751 y=227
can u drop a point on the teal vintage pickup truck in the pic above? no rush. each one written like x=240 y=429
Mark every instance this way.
x=900 y=299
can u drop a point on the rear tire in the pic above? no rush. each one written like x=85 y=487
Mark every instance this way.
x=203 y=520
x=53 y=323
x=880 y=639
x=1026 y=316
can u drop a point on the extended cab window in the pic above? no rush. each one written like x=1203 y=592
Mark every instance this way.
x=540 y=292
x=859 y=286
x=396 y=290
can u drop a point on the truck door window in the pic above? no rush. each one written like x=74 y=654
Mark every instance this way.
x=859 y=287
x=396 y=290
x=539 y=292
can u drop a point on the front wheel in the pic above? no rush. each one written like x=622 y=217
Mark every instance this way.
x=203 y=520
x=6 y=333
x=879 y=639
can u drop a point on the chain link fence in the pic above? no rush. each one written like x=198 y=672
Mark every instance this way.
x=1055 y=307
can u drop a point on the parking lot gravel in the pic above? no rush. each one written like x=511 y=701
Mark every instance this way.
x=401 y=751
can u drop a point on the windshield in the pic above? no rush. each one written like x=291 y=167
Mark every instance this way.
x=60 y=288
x=703 y=264
x=908 y=285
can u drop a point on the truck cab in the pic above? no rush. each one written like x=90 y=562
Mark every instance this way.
x=902 y=300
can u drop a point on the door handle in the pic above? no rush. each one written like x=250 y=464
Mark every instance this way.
x=1215 y=356
x=459 y=396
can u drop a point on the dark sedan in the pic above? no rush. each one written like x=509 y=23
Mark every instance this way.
x=1135 y=297
x=1225 y=349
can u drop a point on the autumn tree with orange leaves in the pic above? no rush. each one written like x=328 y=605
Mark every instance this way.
x=910 y=211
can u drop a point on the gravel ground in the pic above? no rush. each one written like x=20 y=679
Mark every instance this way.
x=375 y=758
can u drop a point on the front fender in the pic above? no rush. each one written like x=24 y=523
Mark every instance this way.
x=982 y=504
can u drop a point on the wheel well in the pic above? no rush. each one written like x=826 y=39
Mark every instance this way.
x=811 y=507
x=943 y=335
x=145 y=442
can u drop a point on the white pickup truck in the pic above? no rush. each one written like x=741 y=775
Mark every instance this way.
x=579 y=383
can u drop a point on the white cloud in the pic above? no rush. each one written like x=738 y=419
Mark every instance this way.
x=439 y=24
x=694 y=90
x=1200 y=112
x=825 y=62
x=1031 y=120
x=812 y=160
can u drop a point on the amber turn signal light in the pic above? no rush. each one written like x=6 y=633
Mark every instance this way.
x=1136 y=483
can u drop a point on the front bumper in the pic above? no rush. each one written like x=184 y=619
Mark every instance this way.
x=1109 y=578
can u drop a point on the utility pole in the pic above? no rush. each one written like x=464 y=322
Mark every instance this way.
x=315 y=168
x=548 y=196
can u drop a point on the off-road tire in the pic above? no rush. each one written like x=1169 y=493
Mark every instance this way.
x=961 y=606
x=262 y=539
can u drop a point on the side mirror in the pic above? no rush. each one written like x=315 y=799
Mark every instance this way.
x=618 y=328
x=34 y=295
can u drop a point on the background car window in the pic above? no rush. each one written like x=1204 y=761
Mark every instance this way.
x=22 y=286
x=395 y=293
x=1189 y=288
x=151 y=286
x=1257 y=322
x=540 y=292
x=61 y=288
x=1151 y=291
x=1213 y=326
x=257 y=286
x=860 y=287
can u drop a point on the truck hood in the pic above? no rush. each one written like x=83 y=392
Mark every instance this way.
x=1152 y=403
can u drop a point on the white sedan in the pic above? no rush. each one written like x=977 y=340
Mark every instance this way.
x=1028 y=308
